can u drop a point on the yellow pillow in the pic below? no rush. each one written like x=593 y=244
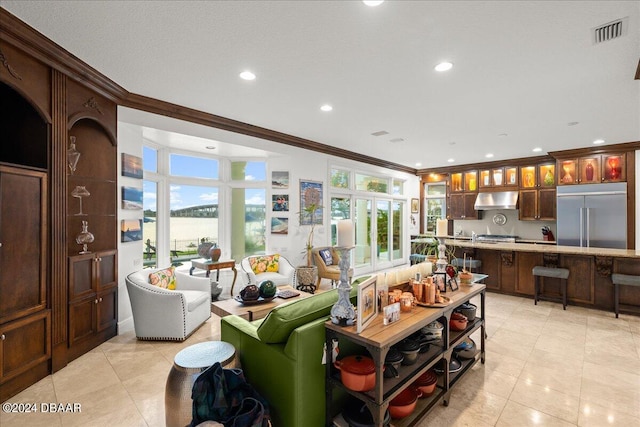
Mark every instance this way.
x=164 y=278
x=266 y=263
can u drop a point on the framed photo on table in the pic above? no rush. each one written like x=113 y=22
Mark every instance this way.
x=367 y=303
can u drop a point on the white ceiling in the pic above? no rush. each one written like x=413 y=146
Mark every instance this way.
x=525 y=69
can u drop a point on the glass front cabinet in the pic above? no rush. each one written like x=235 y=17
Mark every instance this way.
x=592 y=169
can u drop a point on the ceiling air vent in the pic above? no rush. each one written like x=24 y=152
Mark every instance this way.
x=610 y=31
x=380 y=133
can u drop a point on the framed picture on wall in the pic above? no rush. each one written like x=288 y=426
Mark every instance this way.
x=131 y=198
x=415 y=205
x=280 y=179
x=311 y=210
x=130 y=230
x=131 y=166
x=279 y=225
x=280 y=202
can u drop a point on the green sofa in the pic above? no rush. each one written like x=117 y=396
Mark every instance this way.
x=281 y=356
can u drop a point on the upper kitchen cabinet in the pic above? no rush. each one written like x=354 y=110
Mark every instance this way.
x=592 y=169
x=499 y=177
x=461 y=206
x=457 y=183
x=536 y=176
x=471 y=181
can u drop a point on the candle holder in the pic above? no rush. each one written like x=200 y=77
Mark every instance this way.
x=79 y=192
x=342 y=312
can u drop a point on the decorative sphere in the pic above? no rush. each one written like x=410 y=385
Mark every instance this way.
x=267 y=289
x=250 y=293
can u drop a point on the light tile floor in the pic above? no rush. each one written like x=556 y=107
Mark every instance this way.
x=544 y=366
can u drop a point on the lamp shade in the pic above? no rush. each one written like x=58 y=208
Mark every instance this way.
x=345 y=233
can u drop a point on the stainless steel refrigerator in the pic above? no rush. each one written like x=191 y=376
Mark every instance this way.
x=592 y=215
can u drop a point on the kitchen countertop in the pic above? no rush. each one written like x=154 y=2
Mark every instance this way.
x=545 y=248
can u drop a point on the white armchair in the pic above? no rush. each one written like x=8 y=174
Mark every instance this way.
x=163 y=314
x=284 y=275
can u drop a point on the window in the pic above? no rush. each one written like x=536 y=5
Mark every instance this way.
x=398 y=187
x=248 y=222
x=371 y=183
x=435 y=202
x=340 y=209
x=339 y=178
x=195 y=167
x=248 y=171
x=149 y=224
x=193 y=219
x=149 y=159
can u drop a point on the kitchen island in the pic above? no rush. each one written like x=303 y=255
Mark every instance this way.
x=509 y=268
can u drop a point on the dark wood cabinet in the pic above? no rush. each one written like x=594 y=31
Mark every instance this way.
x=93 y=290
x=461 y=206
x=537 y=205
x=592 y=169
x=25 y=345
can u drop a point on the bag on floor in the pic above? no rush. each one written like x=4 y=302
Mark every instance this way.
x=223 y=395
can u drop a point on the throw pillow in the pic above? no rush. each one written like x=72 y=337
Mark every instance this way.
x=164 y=278
x=266 y=263
x=326 y=256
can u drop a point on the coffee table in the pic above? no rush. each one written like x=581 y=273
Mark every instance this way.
x=255 y=311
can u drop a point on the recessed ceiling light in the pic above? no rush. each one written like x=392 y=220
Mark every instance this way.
x=572 y=123
x=326 y=107
x=210 y=147
x=444 y=66
x=488 y=156
x=247 y=75
x=451 y=160
x=598 y=141
x=537 y=150
x=452 y=143
x=418 y=164
x=373 y=3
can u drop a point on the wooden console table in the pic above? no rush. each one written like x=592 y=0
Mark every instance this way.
x=204 y=264
x=378 y=338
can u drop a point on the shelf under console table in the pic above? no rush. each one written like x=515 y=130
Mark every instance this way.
x=378 y=338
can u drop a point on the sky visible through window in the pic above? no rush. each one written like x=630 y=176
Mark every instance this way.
x=183 y=196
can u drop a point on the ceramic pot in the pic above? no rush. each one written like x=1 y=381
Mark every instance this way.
x=426 y=383
x=356 y=414
x=458 y=322
x=392 y=362
x=215 y=253
x=358 y=373
x=405 y=403
x=468 y=310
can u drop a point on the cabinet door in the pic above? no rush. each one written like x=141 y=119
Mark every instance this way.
x=457 y=182
x=613 y=167
x=22 y=233
x=456 y=206
x=491 y=266
x=528 y=177
x=25 y=343
x=81 y=276
x=511 y=176
x=82 y=319
x=547 y=175
x=526 y=261
x=107 y=309
x=568 y=172
x=485 y=178
x=589 y=170
x=547 y=204
x=528 y=205
x=469 y=201
x=580 y=282
x=107 y=270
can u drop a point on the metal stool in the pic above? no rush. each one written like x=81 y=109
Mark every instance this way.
x=470 y=263
x=187 y=366
x=625 y=280
x=555 y=273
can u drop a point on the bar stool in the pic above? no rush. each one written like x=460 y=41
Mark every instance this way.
x=555 y=273
x=472 y=264
x=625 y=280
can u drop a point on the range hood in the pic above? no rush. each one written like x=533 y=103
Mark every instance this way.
x=496 y=200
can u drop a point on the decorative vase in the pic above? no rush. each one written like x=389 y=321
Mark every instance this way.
x=589 y=172
x=216 y=289
x=84 y=238
x=215 y=253
x=204 y=248
x=306 y=278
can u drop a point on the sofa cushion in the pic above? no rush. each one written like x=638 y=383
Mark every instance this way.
x=282 y=320
x=325 y=254
x=195 y=299
x=164 y=278
x=266 y=263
